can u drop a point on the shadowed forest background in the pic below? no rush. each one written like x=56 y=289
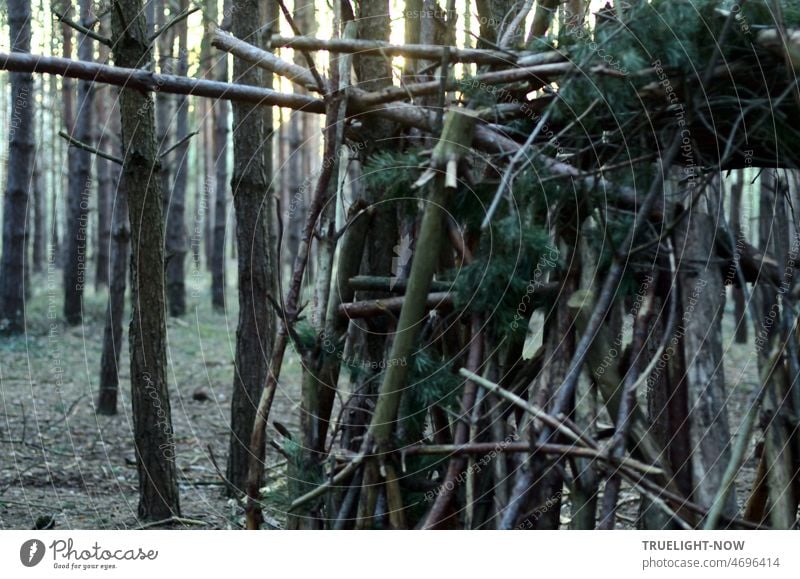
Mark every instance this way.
x=374 y=264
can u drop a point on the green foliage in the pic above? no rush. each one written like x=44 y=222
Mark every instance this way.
x=391 y=175
x=431 y=382
x=512 y=255
x=306 y=336
x=302 y=478
x=680 y=35
x=762 y=12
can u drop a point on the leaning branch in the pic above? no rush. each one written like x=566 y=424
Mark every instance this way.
x=178 y=144
x=178 y=18
x=264 y=59
x=82 y=29
x=85 y=147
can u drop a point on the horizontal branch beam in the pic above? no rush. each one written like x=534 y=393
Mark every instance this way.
x=143 y=80
x=414 y=51
x=485 y=138
x=537 y=76
x=390 y=284
x=371 y=308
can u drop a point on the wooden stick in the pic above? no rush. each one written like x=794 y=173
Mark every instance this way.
x=412 y=51
x=321 y=85
x=526 y=447
x=328 y=484
x=173 y=21
x=86 y=147
x=456 y=135
x=438 y=511
x=537 y=76
x=83 y=30
x=144 y=80
x=388 y=284
x=625 y=413
x=371 y=308
x=264 y=59
x=179 y=143
x=531 y=409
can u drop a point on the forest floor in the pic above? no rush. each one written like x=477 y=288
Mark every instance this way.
x=61 y=459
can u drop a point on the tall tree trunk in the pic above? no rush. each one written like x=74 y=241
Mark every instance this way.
x=252 y=172
x=40 y=168
x=67 y=98
x=221 y=108
x=703 y=300
x=740 y=318
x=80 y=186
x=55 y=175
x=764 y=293
x=105 y=186
x=300 y=150
x=542 y=19
x=492 y=16
x=112 y=333
x=39 y=210
x=105 y=169
x=374 y=73
x=18 y=180
x=40 y=177
x=163 y=100
x=176 y=209
x=209 y=15
x=152 y=421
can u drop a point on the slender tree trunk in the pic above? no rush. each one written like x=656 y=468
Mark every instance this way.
x=299 y=150
x=41 y=167
x=542 y=19
x=112 y=333
x=105 y=186
x=374 y=73
x=80 y=186
x=200 y=209
x=494 y=15
x=252 y=172
x=176 y=210
x=209 y=15
x=703 y=302
x=55 y=176
x=740 y=318
x=39 y=210
x=164 y=101
x=221 y=108
x=67 y=98
x=763 y=292
x=297 y=203
x=39 y=214
x=152 y=422
x=107 y=116
x=20 y=172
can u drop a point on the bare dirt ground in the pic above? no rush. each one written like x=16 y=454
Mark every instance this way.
x=60 y=459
